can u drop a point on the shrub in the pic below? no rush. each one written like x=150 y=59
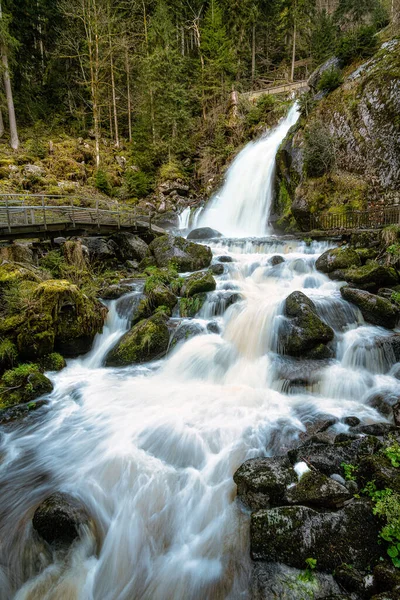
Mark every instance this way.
x=54 y=262
x=102 y=183
x=138 y=183
x=360 y=43
x=171 y=170
x=330 y=80
x=319 y=153
x=306 y=103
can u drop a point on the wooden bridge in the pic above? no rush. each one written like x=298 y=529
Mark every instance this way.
x=376 y=218
x=283 y=88
x=39 y=216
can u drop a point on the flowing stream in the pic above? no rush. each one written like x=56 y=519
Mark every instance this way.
x=151 y=449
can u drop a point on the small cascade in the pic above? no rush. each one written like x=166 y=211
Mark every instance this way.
x=184 y=218
x=241 y=208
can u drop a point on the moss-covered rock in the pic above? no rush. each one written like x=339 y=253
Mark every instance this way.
x=293 y=534
x=316 y=489
x=338 y=258
x=189 y=307
x=375 y=309
x=60 y=318
x=146 y=341
x=23 y=384
x=303 y=333
x=128 y=246
x=53 y=362
x=371 y=276
x=16 y=252
x=169 y=250
x=198 y=283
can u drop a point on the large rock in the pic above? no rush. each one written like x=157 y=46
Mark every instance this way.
x=275 y=581
x=203 y=233
x=100 y=250
x=262 y=482
x=315 y=77
x=336 y=259
x=316 y=489
x=22 y=385
x=189 y=307
x=371 y=276
x=198 y=283
x=375 y=309
x=61 y=318
x=169 y=250
x=147 y=340
x=16 y=252
x=292 y=534
x=60 y=518
x=129 y=246
x=304 y=333
x=184 y=331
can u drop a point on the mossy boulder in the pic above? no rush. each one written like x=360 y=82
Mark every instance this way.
x=13 y=273
x=16 y=252
x=303 y=333
x=375 y=309
x=158 y=296
x=175 y=251
x=198 y=283
x=371 y=276
x=189 y=307
x=128 y=246
x=316 y=489
x=262 y=482
x=336 y=259
x=204 y=233
x=147 y=340
x=23 y=384
x=53 y=362
x=291 y=534
x=60 y=318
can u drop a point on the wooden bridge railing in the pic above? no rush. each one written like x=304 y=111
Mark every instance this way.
x=283 y=88
x=33 y=210
x=369 y=219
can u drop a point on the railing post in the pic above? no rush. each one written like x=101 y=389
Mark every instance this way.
x=8 y=215
x=44 y=214
x=118 y=217
x=72 y=213
x=97 y=214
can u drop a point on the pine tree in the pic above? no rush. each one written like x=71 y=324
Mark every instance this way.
x=6 y=43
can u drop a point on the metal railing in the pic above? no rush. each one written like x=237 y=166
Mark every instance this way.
x=375 y=218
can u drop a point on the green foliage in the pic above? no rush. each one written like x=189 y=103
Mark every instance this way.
x=306 y=104
x=53 y=262
x=393 y=453
x=8 y=352
x=53 y=362
x=349 y=471
x=308 y=575
x=102 y=182
x=395 y=297
x=138 y=183
x=361 y=43
x=319 y=153
x=330 y=80
x=171 y=170
x=323 y=37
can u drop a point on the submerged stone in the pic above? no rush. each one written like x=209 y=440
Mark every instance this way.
x=203 y=233
x=59 y=519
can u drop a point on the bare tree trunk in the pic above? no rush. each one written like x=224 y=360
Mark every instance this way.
x=253 y=55
x=128 y=91
x=10 y=101
x=152 y=115
x=114 y=98
x=1 y=124
x=294 y=51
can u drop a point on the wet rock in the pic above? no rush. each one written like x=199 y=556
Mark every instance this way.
x=299 y=373
x=157 y=295
x=213 y=327
x=262 y=482
x=274 y=581
x=23 y=384
x=328 y=458
x=217 y=269
x=375 y=310
x=316 y=489
x=351 y=421
x=379 y=468
x=225 y=259
x=396 y=414
x=376 y=429
x=276 y=260
x=169 y=250
x=291 y=534
x=371 y=276
x=383 y=402
x=304 y=333
x=20 y=411
x=147 y=340
x=346 y=437
x=100 y=250
x=352 y=580
x=189 y=307
x=184 y=332
x=336 y=259
x=112 y=292
x=220 y=301
x=59 y=241
x=386 y=577
x=198 y=283
x=129 y=246
x=204 y=233
x=395 y=371
x=60 y=518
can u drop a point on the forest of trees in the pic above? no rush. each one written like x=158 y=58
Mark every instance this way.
x=151 y=71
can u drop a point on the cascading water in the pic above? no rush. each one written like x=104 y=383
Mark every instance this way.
x=242 y=206
x=151 y=449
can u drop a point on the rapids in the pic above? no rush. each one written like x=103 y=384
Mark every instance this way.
x=151 y=449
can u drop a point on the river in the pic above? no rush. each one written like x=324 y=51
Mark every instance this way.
x=151 y=449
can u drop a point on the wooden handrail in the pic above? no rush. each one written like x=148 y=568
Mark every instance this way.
x=375 y=218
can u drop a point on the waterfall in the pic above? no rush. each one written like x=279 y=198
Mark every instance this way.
x=184 y=219
x=241 y=208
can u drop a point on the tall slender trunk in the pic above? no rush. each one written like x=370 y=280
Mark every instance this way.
x=294 y=51
x=253 y=55
x=10 y=101
x=152 y=115
x=1 y=123
x=128 y=91
x=114 y=98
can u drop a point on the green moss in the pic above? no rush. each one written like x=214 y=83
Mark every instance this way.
x=189 y=307
x=198 y=283
x=53 y=362
x=8 y=353
x=23 y=384
x=373 y=274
